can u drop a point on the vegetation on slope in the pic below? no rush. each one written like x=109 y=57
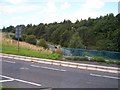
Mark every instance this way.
x=101 y=33
x=9 y=46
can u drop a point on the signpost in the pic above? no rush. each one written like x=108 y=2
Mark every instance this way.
x=18 y=34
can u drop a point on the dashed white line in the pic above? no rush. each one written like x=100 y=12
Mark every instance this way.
x=34 y=66
x=55 y=69
x=97 y=75
x=8 y=61
x=20 y=80
x=24 y=68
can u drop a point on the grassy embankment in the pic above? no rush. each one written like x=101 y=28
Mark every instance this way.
x=9 y=46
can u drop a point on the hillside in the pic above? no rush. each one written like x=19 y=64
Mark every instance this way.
x=10 y=46
x=101 y=33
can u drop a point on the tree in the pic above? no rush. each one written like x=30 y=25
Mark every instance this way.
x=65 y=38
x=76 y=41
x=42 y=43
x=31 y=39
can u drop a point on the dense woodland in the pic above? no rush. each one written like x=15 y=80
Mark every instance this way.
x=102 y=33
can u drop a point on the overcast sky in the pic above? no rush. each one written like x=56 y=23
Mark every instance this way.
x=15 y=12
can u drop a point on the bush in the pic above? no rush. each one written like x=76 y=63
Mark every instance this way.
x=80 y=58
x=31 y=39
x=42 y=43
x=58 y=51
x=12 y=36
x=98 y=59
x=77 y=58
x=113 y=62
x=23 y=37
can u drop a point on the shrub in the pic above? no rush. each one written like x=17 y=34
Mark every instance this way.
x=23 y=37
x=42 y=43
x=110 y=62
x=81 y=58
x=117 y=62
x=59 y=51
x=31 y=39
x=12 y=36
x=84 y=59
x=77 y=58
x=98 y=59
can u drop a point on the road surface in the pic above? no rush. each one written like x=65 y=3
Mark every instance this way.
x=22 y=74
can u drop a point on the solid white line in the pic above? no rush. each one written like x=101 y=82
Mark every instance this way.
x=28 y=82
x=9 y=61
x=6 y=77
x=10 y=79
x=1 y=81
x=96 y=75
x=14 y=79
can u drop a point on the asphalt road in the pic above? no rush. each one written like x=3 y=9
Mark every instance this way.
x=22 y=74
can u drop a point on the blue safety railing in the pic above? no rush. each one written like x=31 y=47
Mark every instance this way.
x=110 y=55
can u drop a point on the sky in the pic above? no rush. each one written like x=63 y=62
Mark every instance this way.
x=16 y=12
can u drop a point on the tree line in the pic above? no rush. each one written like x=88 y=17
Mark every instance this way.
x=101 y=33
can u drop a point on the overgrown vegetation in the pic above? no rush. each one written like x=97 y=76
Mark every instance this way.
x=102 y=33
x=31 y=39
x=9 y=46
x=95 y=59
x=42 y=43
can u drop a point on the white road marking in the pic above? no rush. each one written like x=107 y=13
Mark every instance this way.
x=32 y=83
x=20 y=80
x=34 y=65
x=10 y=79
x=6 y=77
x=55 y=69
x=24 y=68
x=8 y=61
x=96 y=75
x=1 y=81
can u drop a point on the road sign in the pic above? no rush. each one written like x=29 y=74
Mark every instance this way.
x=18 y=34
x=18 y=31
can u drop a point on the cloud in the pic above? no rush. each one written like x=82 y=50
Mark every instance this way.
x=110 y=0
x=65 y=5
x=15 y=1
x=18 y=9
x=87 y=10
x=15 y=12
x=50 y=7
x=93 y=4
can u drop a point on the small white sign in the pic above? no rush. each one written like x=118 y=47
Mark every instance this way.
x=18 y=31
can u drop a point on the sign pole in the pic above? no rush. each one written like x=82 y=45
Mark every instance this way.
x=18 y=35
x=18 y=44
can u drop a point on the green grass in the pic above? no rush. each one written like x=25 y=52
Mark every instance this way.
x=95 y=59
x=9 y=49
x=8 y=88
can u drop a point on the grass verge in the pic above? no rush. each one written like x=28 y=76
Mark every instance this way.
x=9 y=49
x=96 y=59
